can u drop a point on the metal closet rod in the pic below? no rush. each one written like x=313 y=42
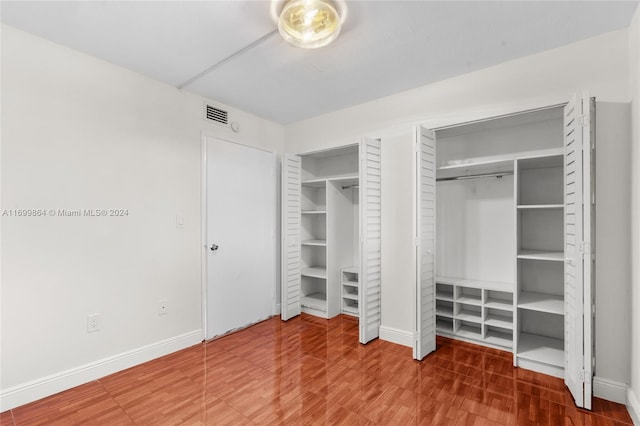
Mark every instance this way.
x=354 y=186
x=478 y=176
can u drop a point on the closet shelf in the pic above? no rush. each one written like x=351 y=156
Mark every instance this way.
x=444 y=326
x=541 y=302
x=555 y=256
x=499 y=321
x=314 y=212
x=320 y=182
x=541 y=349
x=316 y=301
x=469 y=316
x=499 y=339
x=351 y=270
x=469 y=300
x=540 y=206
x=350 y=283
x=471 y=283
x=350 y=310
x=321 y=243
x=350 y=296
x=469 y=332
x=315 y=272
x=443 y=312
x=499 y=304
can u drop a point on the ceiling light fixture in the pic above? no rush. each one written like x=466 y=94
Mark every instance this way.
x=309 y=23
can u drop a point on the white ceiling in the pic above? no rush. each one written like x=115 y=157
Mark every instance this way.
x=385 y=46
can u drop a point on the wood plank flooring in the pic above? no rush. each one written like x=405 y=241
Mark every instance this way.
x=313 y=371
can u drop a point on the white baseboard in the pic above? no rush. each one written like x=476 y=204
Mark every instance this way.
x=276 y=309
x=610 y=390
x=49 y=385
x=394 y=335
x=633 y=406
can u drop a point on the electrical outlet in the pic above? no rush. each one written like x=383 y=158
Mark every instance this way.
x=163 y=307
x=93 y=323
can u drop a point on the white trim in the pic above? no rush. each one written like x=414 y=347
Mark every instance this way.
x=633 y=406
x=203 y=233
x=610 y=390
x=52 y=384
x=394 y=335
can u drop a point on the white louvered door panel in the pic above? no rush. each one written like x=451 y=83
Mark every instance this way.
x=573 y=269
x=425 y=161
x=291 y=223
x=370 y=246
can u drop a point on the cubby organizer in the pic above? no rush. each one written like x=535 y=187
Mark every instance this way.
x=350 y=290
x=476 y=311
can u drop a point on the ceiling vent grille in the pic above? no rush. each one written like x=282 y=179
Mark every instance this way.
x=217 y=115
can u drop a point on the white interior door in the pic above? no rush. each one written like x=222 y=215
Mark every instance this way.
x=291 y=223
x=240 y=229
x=578 y=252
x=370 y=241
x=425 y=195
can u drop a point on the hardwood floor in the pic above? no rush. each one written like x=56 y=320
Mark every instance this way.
x=313 y=371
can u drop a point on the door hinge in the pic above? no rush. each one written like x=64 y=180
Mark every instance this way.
x=585 y=248
x=582 y=120
x=581 y=376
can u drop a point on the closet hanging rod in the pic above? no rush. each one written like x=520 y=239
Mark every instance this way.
x=484 y=175
x=354 y=186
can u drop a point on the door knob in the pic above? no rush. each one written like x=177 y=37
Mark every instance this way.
x=214 y=247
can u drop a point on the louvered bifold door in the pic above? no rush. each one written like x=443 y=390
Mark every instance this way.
x=425 y=161
x=577 y=251
x=370 y=243
x=291 y=222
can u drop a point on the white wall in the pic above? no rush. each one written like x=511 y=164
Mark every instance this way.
x=397 y=234
x=633 y=396
x=613 y=242
x=79 y=133
x=599 y=65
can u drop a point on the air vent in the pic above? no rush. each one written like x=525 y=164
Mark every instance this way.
x=217 y=115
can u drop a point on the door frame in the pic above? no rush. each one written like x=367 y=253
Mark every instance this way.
x=203 y=225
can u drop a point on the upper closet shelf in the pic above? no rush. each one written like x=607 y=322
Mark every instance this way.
x=486 y=285
x=491 y=164
x=556 y=256
x=540 y=206
x=347 y=178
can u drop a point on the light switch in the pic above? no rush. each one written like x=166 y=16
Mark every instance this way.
x=179 y=221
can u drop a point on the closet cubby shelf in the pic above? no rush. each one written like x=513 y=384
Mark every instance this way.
x=499 y=304
x=497 y=338
x=555 y=256
x=319 y=243
x=443 y=312
x=542 y=349
x=541 y=302
x=499 y=321
x=350 y=290
x=315 y=272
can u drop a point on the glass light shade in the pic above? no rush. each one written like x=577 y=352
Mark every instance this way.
x=309 y=23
